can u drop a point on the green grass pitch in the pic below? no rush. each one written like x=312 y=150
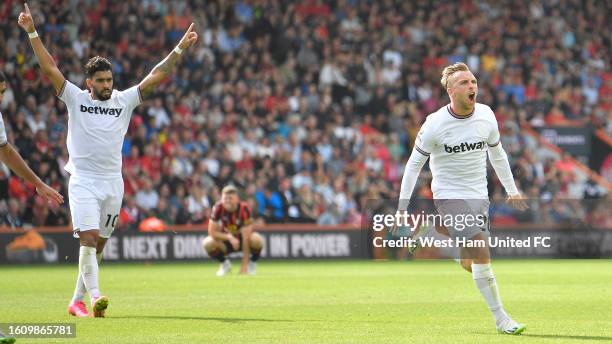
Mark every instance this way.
x=561 y=301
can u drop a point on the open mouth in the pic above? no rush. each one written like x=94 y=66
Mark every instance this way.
x=472 y=96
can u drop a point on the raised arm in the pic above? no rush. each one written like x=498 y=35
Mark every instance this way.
x=166 y=66
x=46 y=62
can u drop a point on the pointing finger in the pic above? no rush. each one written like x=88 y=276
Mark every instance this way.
x=27 y=9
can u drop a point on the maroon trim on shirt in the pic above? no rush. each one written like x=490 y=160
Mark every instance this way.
x=421 y=151
x=139 y=94
x=61 y=91
x=452 y=113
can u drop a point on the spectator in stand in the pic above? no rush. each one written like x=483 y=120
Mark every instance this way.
x=146 y=198
x=332 y=92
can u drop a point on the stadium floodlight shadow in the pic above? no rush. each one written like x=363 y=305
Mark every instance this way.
x=179 y=317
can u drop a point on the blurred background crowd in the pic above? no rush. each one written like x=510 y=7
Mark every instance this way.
x=310 y=107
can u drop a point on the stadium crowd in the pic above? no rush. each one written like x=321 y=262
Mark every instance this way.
x=311 y=107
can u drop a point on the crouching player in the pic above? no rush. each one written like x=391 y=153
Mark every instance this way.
x=230 y=229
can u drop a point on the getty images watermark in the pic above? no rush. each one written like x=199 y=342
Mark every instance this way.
x=457 y=222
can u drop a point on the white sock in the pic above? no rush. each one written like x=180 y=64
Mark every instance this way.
x=80 y=290
x=485 y=282
x=88 y=266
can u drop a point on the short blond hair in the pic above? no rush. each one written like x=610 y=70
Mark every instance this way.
x=229 y=189
x=450 y=70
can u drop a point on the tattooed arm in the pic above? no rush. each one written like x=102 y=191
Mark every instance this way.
x=165 y=67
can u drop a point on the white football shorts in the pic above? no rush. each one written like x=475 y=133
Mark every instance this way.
x=95 y=204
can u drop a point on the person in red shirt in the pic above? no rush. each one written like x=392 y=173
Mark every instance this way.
x=230 y=229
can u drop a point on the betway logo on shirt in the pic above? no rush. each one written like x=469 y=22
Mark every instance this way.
x=98 y=110
x=464 y=147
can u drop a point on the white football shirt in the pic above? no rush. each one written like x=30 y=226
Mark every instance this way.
x=96 y=130
x=457 y=148
x=3 y=139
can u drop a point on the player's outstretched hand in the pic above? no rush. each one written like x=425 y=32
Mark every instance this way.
x=49 y=194
x=517 y=202
x=189 y=38
x=25 y=20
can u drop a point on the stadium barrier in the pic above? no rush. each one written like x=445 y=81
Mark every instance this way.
x=295 y=241
x=182 y=243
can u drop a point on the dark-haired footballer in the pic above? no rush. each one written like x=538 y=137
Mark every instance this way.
x=98 y=119
x=230 y=229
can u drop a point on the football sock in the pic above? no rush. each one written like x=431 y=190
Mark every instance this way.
x=228 y=246
x=485 y=282
x=218 y=255
x=80 y=290
x=255 y=256
x=88 y=266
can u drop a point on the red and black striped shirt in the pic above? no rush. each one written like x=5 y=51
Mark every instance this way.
x=232 y=222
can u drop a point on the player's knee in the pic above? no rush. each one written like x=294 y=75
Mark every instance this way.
x=479 y=253
x=484 y=260
x=89 y=238
x=211 y=245
x=208 y=244
x=466 y=264
x=256 y=242
x=480 y=256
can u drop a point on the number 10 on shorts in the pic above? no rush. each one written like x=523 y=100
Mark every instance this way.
x=111 y=221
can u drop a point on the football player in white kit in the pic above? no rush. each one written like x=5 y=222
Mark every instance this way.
x=98 y=119
x=14 y=161
x=457 y=139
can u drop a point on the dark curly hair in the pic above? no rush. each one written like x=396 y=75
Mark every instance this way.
x=97 y=64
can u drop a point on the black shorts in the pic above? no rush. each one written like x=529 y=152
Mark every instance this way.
x=229 y=246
